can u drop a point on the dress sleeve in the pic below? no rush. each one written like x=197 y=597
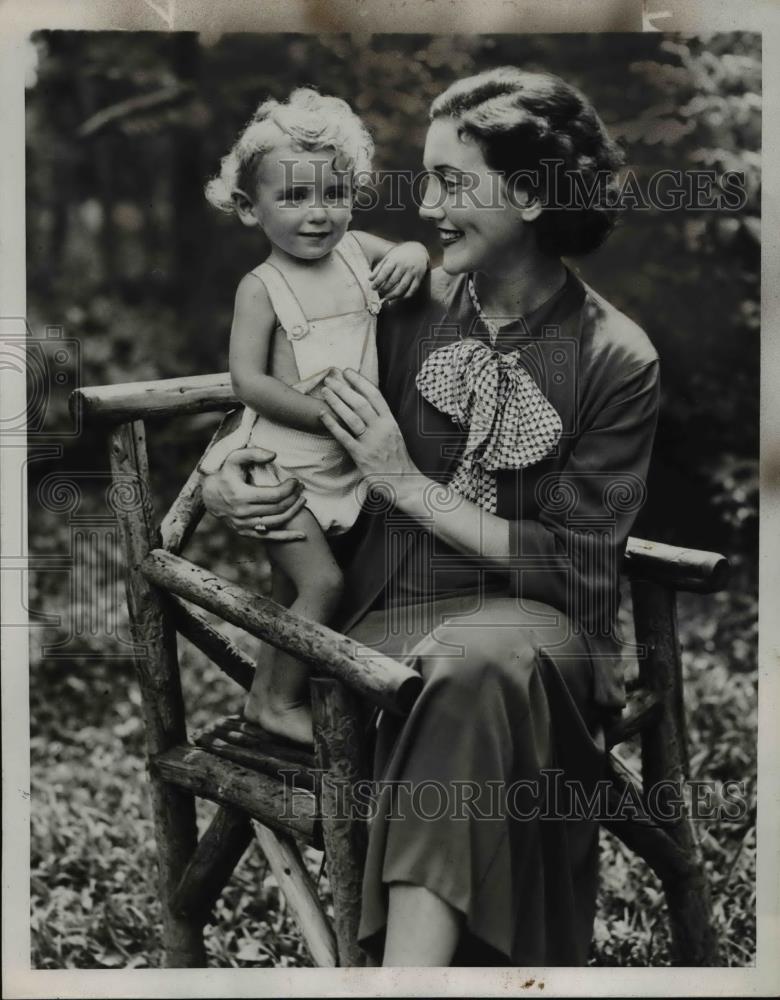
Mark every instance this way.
x=570 y=554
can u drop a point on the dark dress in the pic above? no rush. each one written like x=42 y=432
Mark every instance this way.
x=521 y=664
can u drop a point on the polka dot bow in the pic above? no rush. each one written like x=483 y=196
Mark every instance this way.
x=511 y=424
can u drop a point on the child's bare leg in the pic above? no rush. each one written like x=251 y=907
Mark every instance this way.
x=279 y=698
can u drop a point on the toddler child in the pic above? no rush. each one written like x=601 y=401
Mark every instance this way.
x=309 y=308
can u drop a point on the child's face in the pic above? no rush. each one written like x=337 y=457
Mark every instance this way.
x=302 y=204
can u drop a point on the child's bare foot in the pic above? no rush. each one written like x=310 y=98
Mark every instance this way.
x=289 y=719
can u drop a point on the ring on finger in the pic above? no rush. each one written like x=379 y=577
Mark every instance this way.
x=260 y=528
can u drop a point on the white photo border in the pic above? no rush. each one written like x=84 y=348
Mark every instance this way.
x=17 y=21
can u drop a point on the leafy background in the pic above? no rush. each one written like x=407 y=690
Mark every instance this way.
x=126 y=257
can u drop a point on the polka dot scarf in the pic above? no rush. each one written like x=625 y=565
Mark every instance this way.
x=510 y=422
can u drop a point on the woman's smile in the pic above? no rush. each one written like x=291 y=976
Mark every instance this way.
x=449 y=236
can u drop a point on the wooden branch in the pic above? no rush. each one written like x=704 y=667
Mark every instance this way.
x=290 y=872
x=160 y=398
x=240 y=741
x=218 y=852
x=292 y=810
x=157 y=670
x=256 y=760
x=219 y=649
x=680 y=569
x=187 y=509
x=379 y=678
x=184 y=515
x=641 y=834
x=140 y=104
x=653 y=845
x=624 y=772
x=247 y=734
x=342 y=760
x=644 y=709
x=665 y=767
x=664 y=750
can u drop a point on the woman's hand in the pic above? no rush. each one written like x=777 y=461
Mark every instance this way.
x=252 y=511
x=361 y=421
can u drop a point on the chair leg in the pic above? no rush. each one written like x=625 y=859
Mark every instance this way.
x=341 y=760
x=665 y=770
x=157 y=670
x=288 y=867
x=218 y=852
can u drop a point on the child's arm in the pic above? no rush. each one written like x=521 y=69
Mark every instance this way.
x=397 y=268
x=254 y=320
x=375 y=247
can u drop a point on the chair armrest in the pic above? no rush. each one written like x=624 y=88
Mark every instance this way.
x=166 y=397
x=382 y=680
x=677 y=568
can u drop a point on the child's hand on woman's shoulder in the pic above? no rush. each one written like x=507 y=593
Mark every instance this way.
x=400 y=272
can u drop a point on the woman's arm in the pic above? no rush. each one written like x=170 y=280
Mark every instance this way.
x=254 y=321
x=462 y=524
x=602 y=484
x=569 y=555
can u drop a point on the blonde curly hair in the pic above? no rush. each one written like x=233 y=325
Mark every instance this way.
x=312 y=121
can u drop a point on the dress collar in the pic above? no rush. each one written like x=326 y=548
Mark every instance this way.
x=519 y=332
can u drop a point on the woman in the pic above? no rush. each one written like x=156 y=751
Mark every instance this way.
x=507 y=451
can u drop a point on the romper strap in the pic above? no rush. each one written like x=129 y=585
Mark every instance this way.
x=286 y=306
x=354 y=256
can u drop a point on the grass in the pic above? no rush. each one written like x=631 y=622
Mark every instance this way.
x=93 y=872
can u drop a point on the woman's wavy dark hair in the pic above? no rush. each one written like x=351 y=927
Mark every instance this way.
x=536 y=123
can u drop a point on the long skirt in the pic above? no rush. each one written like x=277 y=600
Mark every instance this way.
x=473 y=786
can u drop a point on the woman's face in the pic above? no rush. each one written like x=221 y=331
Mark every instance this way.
x=480 y=226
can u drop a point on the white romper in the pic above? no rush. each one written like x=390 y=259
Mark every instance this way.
x=329 y=476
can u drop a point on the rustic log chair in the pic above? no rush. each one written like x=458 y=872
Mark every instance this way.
x=232 y=766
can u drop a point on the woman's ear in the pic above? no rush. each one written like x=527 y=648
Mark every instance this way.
x=531 y=211
x=245 y=208
x=524 y=201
